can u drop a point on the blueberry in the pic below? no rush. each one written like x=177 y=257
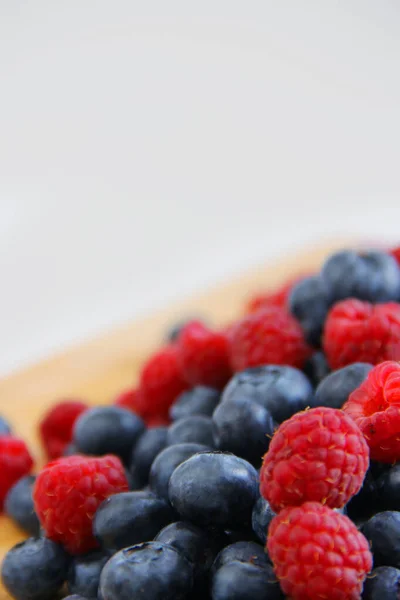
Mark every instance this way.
x=250 y=552
x=199 y=547
x=197 y=429
x=382 y=584
x=388 y=485
x=334 y=390
x=316 y=367
x=150 y=571
x=372 y=276
x=383 y=532
x=108 y=430
x=309 y=303
x=367 y=502
x=76 y=597
x=261 y=518
x=166 y=462
x=244 y=534
x=130 y=518
x=148 y=446
x=200 y=400
x=243 y=427
x=19 y=505
x=245 y=581
x=35 y=569
x=84 y=574
x=282 y=390
x=4 y=427
x=214 y=489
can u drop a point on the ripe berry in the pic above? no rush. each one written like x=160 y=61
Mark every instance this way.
x=108 y=430
x=248 y=552
x=357 y=331
x=161 y=382
x=278 y=298
x=261 y=518
x=84 y=574
x=57 y=425
x=318 y=553
x=130 y=518
x=15 y=461
x=149 y=570
x=203 y=355
x=197 y=429
x=19 y=505
x=35 y=569
x=388 y=486
x=382 y=584
x=316 y=367
x=309 y=303
x=395 y=252
x=335 y=389
x=67 y=494
x=383 y=533
x=283 y=391
x=148 y=446
x=200 y=400
x=245 y=581
x=318 y=455
x=372 y=276
x=214 y=489
x=375 y=407
x=269 y=336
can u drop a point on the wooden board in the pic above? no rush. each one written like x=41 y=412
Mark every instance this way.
x=97 y=370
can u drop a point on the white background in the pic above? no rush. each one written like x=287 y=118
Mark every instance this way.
x=150 y=148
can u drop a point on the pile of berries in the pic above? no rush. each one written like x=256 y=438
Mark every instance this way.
x=256 y=462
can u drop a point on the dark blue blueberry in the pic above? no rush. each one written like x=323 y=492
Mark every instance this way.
x=4 y=427
x=149 y=571
x=282 y=390
x=76 y=597
x=250 y=552
x=84 y=574
x=214 y=489
x=316 y=367
x=197 y=545
x=200 y=400
x=334 y=390
x=309 y=303
x=130 y=518
x=245 y=581
x=388 y=485
x=197 y=430
x=134 y=483
x=35 y=569
x=108 y=430
x=383 y=533
x=366 y=503
x=148 y=446
x=372 y=276
x=261 y=518
x=165 y=464
x=245 y=534
x=243 y=427
x=19 y=505
x=382 y=584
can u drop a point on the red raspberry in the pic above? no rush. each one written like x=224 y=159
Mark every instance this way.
x=318 y=554
x=161 y=382
x=56 y=427
x=203 y=355
x=269 y=336
x=316 y=455
x=133 y=399
x=277 y=298
x=375 y=407
x=395 y=252
x=358 y=331
x=15 y=462
x=68 y=492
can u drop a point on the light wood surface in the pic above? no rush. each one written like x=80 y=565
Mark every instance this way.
x=97 y=370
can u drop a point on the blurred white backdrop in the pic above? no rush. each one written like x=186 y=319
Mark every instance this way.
x=148 y=149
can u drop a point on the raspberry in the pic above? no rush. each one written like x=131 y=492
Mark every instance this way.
x=317 y=455
x=395 y=252
x=133 y=399
x=358 y=331
x=15 y=462
x=269 y=336
x=56 y=426
x=277 y=298
x=68 y=492
x=203 y=356
x=161 y=382
x=375 y=407
x=318 y=554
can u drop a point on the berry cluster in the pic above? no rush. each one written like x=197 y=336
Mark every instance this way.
x=260 y=461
